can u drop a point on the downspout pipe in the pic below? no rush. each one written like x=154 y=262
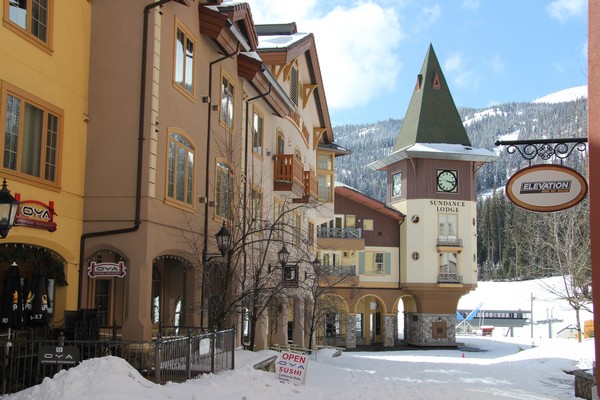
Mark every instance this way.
x=140 y=153
x=206 y=185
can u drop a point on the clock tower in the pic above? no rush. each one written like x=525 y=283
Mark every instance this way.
x=431 y=176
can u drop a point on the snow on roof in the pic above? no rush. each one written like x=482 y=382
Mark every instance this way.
x=279 y=41
x=443 y=151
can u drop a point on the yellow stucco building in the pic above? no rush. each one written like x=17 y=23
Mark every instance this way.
x=44 y=70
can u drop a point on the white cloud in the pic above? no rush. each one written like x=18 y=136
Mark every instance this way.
x=461 y=76
x=356 y=53
x=355 y=44
x=497 y=64
x=453 y=63
x=471 y=4
x=432 y=14
x=562 y=10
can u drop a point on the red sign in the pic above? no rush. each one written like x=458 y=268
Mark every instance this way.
x=110 y=270
x=35 y=214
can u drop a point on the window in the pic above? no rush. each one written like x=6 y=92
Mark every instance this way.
x=368 y=224
x=332 y=324
x=280 y=143
x=184 y=60
x=350 y=221
x=311 y=234
x=278 y=220
x=447 y=226
x=32 y=134
x=257 y=209
x=325 y=176
x=448 y=265
x=258 y=134
x=227 y=93
x=325 y=162
x=358 y=326
x=374 y=263
x=31 y=19
x=294 y=84
x=297 y=228
x=180 y=170
x=223 y=196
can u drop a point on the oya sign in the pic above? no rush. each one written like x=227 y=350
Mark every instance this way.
x=65 y=355
x=110 y=270
x=546 y=188
x=35 y=214
x=291 y=368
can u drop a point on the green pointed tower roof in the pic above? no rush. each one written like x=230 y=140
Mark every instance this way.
x=432 y=116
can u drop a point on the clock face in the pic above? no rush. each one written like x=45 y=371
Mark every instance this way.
x=447 y=180
x=397 y=184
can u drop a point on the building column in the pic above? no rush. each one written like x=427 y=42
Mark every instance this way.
x=389 y=327
x=262 y=324
x=137 y=324
x=299 y=323
x=280 y=320
x=350 y=331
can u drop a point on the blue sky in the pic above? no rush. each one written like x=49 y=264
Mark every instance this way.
x=491 y=51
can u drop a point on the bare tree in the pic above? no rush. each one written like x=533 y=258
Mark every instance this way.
x=566 y=244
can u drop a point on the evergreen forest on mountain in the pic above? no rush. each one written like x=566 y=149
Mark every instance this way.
x=513 y=243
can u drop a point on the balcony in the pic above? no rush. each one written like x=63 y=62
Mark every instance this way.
x=338 y=270
x=311 y=188
x=340 y=233
x=288 y=174
x=449 y=278
x=454 y=245
x=340 y=238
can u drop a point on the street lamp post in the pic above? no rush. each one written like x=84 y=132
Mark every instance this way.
x=223 y=238
x=8 y=210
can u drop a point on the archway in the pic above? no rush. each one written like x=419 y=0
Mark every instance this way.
x=404 y=305
x=171 y=294
x=369 y=320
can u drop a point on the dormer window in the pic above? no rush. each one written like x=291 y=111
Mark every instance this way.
x=437 y=83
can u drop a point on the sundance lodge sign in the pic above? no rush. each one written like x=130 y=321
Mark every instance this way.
x=546 y=188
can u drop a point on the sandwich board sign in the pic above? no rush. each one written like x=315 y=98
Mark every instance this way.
x=291 y=368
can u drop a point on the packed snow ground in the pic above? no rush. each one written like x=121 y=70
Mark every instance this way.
x=498 y=366
x=505 y=368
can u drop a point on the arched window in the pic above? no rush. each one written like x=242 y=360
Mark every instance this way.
x=180 y=169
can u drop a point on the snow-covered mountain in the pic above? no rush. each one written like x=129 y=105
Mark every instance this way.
x=560 y=114
x=564 y=96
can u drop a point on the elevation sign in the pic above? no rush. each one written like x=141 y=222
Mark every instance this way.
x=546 y=188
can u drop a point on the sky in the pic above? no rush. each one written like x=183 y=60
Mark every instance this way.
x=491 y=51
x=498 y=366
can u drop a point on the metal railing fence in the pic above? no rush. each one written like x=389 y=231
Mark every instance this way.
x=174 y=358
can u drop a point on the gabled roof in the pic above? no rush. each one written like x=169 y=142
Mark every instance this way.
x=240 y=15
x=280 y=44
x=369 y=202
x=432 y=116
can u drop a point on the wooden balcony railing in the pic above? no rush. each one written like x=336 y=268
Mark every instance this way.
x=311 y=188
x=288 y=174
x=311 y=185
